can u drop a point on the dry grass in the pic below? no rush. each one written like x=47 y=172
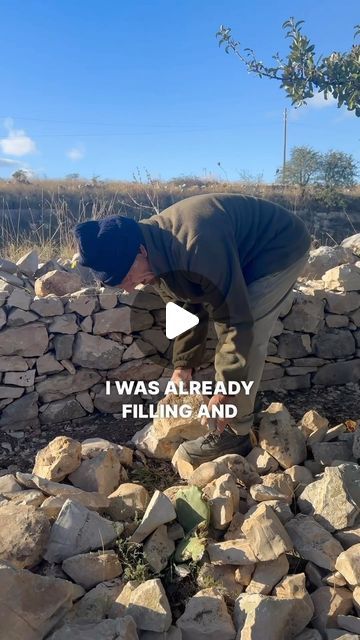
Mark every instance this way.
x=42 y=214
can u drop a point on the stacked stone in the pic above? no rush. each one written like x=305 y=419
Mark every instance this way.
x=266 y=546
x=60 y=341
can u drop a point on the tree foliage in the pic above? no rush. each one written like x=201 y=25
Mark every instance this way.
x=301 y=75
x=330 y=170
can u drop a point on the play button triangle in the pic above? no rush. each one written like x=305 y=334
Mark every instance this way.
x=178 y=320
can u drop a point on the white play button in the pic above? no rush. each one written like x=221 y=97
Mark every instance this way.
x=178 y=320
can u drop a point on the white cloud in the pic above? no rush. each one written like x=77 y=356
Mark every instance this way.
x=17 y=143
x=76 y=153
x=7 y=162
x=319 y=102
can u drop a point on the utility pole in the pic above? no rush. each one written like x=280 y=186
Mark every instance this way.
x=285 y=143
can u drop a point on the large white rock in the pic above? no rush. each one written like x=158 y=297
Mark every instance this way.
x=279 y=437
x=24 y=534
x=88 y=569
x=265 y=533
x=255 y=613
x=150 y=607
x=348 y=564
x=31 y=605
x=346 y=277
x=78 y=530
x=317 y=499
x=313 y=542
x=206 y=618
x=59 y=458
x=328 y=604
x=159 y=511
x=128 y=502
x=100 y=473
x=267 y=575
x=158 y=548
x=121 y=629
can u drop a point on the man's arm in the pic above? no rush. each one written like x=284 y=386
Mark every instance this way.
x=225 y=290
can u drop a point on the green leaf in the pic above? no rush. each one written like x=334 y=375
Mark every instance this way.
x=190 y=548
x=191 y=509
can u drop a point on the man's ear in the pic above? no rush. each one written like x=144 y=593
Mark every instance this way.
x=143 y=251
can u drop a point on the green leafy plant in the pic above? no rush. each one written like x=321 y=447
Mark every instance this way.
x=133 y=560
x=301 y=75
x=191 y=509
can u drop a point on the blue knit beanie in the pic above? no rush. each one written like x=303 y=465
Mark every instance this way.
x=109 y=247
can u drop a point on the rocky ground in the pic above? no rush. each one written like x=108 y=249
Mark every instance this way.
x=109 y=542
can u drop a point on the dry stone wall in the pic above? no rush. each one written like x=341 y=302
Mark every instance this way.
x=61 y=340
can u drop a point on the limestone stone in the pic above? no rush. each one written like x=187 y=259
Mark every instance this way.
x=8 y=265
x=338 y=373
x=8 y=484
x=309 y=634
x=272 y=370
x=24 y=534
x=63 y=346
x=19 y=298
x=157 y=338
x=86 y=324
x=222 y=577
x=334 y=343
x=325 y=258
x=313 y=426
x=47 y=307
x=336 y=321
x=32 y=605
x=348 y=537
x=26 y=406
x=288 y=383
x=328 y=604
x=100 y=473
x=158 y=548
x=78 y=530
x=91 y=446
x=294 y=345
x=57 y=282
x=300 y=477
x=81 y=303
x=352 y=243
x=280 y=438
x=59 y=458
x=62 y=411
x=137 y=370
x=326 y=452
x=113 y=402
x=146 y=298
x=159 y=511
x=318 y=497
x=255 y=612
x=121 y=319
x=275 y=486
x=267 y=575
x=265 y=533
x=13 y=363
x=128 y=501
x=234 y=464
x=107 y=298
x=262 y=461
x=138 y=349
x=206 y=617
x=18 y=317
x=10 y=392
x=92 y=500
x=25 y=341
x=293 y=588
x=48 y=364
x=120 y=629
x=306 y=315
x=149 y=607
x=161 y=448
x=20 y=378
x=31 y=497
x=172 y=634
x=11 y=279
x=88 y=569
x=66 y=323
x=313 y=542
x=2 y=318
x=222 y=494
x=235 y=552
x=179 y=429
x=61 y=385
x=96 y=352
x=345 y=277
x=342 y=303
x=348 y=564
x=28 y=263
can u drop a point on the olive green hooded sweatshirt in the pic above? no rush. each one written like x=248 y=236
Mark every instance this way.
x=204 y=251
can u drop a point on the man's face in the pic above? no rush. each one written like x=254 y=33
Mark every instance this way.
x=139 y=273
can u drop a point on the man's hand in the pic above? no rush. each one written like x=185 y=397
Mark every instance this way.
x=218 y=400
x=182 y=375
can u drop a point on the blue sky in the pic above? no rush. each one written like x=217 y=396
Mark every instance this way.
x=108 y=88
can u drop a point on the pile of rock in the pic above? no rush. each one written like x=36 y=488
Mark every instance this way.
x=268 y=545
x=60 y=340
